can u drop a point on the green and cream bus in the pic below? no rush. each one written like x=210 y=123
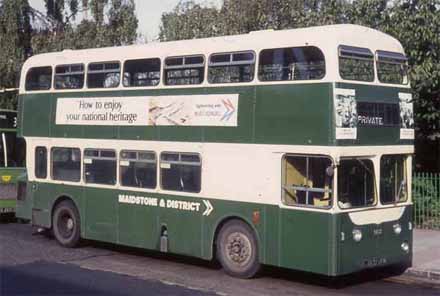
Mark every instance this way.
x=286 y=148
x=12 y=161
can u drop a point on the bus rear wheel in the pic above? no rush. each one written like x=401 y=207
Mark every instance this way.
x=66 y=224
x=237 y=250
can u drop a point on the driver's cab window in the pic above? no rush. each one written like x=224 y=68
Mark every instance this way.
x=307 y=181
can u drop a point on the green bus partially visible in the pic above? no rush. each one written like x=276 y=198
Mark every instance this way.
x=12 y=161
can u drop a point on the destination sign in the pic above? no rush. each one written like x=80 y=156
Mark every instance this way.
x=378 y=114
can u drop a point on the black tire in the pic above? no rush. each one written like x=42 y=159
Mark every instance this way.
x=66 y=224
x=237 y=250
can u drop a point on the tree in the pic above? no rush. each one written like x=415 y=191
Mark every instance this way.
x=15 y=46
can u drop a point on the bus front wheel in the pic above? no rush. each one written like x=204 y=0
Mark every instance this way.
x=237 y=249
x=66 y=224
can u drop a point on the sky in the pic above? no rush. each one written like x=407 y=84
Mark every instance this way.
x=148 y=12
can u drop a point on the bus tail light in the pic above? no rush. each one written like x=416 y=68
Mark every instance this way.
x=21 y=191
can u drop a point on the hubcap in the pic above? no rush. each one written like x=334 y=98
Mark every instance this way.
x=238 y=249
x=70 y=224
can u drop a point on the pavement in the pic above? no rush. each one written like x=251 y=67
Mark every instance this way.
x=426 y=255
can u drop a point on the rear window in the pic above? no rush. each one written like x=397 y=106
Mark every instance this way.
x=293 y=63
x=356 y=63
x=39 y=78
x=392 y=67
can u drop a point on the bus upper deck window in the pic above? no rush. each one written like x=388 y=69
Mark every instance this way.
x=143 y=72
x=104 y=75
x=356 y=63
x=39 y=78
x=231 y=67
x=293 y=63
x=392 y=67
x=184 y=70
x=69 y=76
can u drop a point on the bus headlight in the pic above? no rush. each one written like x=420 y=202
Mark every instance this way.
x=397 y=228
x=357 y=235
x=405 y=247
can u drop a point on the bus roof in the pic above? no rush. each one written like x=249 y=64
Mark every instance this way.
x=327 y=38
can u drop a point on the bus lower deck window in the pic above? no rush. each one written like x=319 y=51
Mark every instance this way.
x=180 y=172
x=66 y=164
x=293 y=63
x=306 y=181
x=393 y=180
x=138 y=169
x=356 y=63
x=143 y=72
x=41 y=162
x=39 y=78
x=231 y=67
x=100 y=166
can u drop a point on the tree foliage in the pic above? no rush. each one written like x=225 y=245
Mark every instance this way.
x=415 y=23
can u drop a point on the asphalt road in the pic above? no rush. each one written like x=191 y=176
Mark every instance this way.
x=33 y=264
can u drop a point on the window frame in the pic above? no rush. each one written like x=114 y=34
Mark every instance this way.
x=390 y=56
x=39 y=89
x=179 y=162
x=298 y=205
x=156 y=162
x=37 y=176
x=99 y=157
x=52 y=164
x=357 y=53
x=231 y=62
x=142 y=59
x=103 y=72
x=258 y=65
x=405 y=173
x=375 y=189
x=70 y=74
x=183 y=66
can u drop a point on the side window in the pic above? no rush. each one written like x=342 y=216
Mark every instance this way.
x=180 y=171
x=69 y=76
x=307 y=181
x=392 y=67
x=39 y=78
x=144 y=72
x=66 y=164
x=231 y=67
x=104 y=75
x=356 y=63
x=41 y=162
x=100 y=166
x=184 y=70
x=293 y=63
x=138 y=169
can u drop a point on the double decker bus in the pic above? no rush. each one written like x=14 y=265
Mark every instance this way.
x=287 y=148
x=12 y=161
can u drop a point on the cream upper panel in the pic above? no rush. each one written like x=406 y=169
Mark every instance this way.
x=327 y=38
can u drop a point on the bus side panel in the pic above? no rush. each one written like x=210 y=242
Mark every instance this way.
x=293 y=114
x=306 y=240
x=37 y=114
